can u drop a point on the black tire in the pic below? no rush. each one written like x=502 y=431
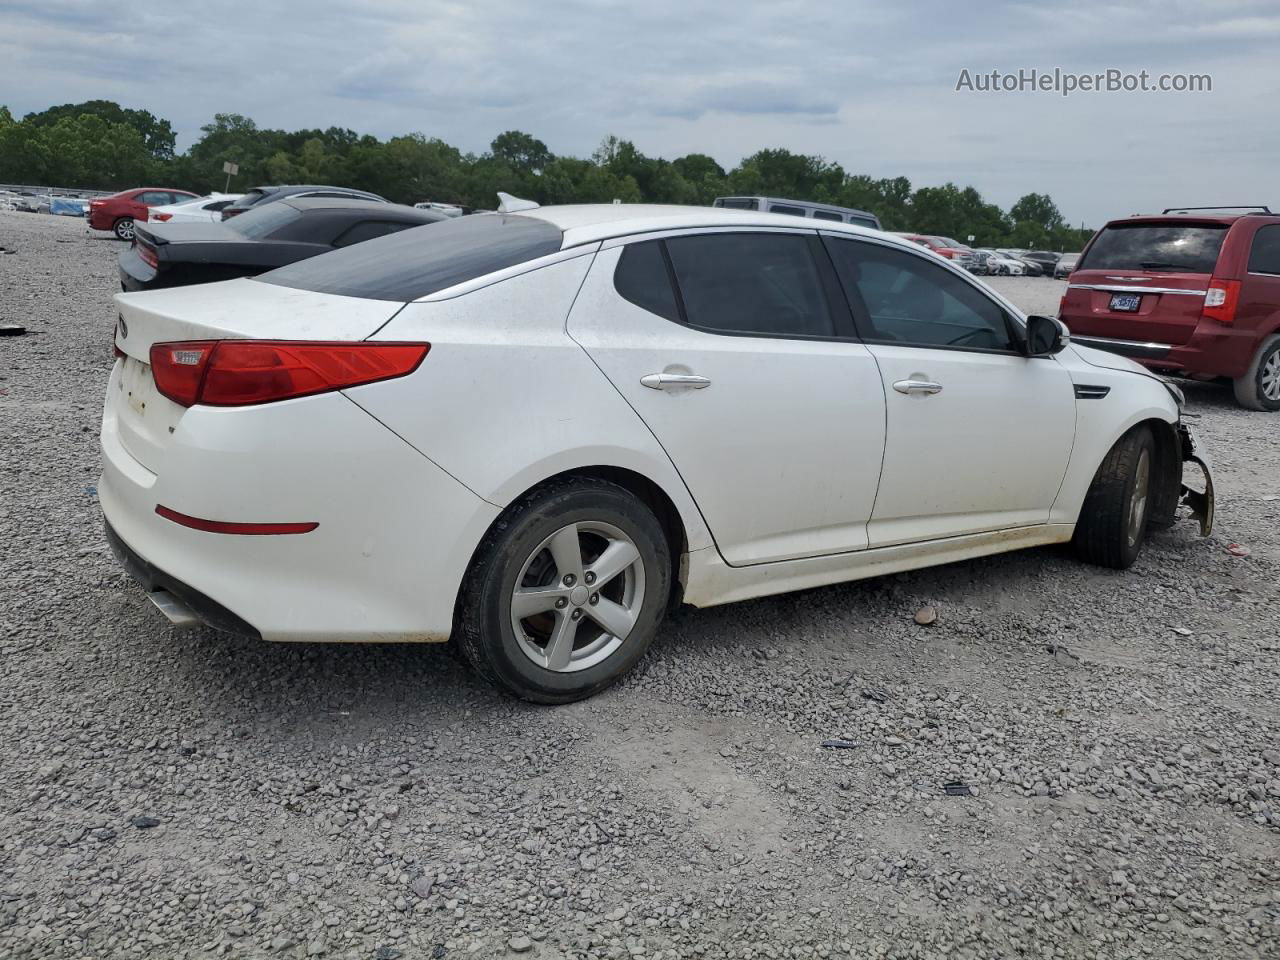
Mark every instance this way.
x=1105 y=533
x=123 y=228
x=1250 y=392
x=483 y=625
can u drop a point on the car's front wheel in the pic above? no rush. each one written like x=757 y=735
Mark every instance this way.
x=1259 y=388
x=123 y=228
x=1117 y=509
x=566 y=592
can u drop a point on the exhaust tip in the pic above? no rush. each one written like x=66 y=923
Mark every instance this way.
x=179 y=614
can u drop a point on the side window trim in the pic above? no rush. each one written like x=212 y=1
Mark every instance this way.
x=861 y=314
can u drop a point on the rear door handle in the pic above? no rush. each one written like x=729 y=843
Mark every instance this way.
x=918 y=387
x=670 y=381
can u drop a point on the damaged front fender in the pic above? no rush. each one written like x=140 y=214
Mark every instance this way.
x=1200 y=502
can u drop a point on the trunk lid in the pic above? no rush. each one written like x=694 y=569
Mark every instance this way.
x=234 y=309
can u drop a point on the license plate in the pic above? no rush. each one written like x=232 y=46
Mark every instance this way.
x=1126 y=302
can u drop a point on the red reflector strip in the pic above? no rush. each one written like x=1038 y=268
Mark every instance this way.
x=242 y=529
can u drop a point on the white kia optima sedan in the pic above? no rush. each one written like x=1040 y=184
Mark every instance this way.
x=531 y=433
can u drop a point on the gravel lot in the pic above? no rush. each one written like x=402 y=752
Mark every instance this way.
x=167 y=794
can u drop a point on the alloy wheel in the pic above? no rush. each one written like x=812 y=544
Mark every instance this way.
x=1138 y=500
x=1269 y=377
x=577 y=596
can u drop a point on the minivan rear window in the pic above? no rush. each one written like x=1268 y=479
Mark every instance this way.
x=414 y=263
x=1184 y=247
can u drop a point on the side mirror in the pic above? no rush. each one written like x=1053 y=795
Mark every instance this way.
x=1045 y=336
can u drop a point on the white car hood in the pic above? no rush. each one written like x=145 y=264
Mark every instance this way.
x=1110 y=361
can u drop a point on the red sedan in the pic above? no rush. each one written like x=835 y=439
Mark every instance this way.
x=118 y=211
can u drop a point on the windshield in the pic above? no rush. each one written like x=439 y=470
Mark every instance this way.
x=1186 y=247
x=413 y=263
x=258 y=222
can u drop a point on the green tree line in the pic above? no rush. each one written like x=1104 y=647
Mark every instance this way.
x=101 y=145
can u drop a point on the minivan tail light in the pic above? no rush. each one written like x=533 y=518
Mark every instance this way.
x=1221 y=299
x=238 y=373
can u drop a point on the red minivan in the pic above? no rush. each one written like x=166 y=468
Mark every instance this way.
x=118 y=211
x=1188 y=293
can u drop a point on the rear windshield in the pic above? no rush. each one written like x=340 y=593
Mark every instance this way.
x=258 y=222
x=250 y=198
x=1189 y=248
x=414 y=263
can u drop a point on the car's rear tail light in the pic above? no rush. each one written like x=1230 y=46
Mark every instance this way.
x=1221 y=299
x=242 y=529
x=236 y=373
x=148 y=255
x=160 y=217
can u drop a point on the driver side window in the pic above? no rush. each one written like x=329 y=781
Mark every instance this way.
x=898 y=297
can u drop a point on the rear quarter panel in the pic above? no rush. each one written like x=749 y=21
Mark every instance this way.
x=505 y=399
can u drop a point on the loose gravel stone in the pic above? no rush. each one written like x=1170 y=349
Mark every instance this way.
x=1125 y=795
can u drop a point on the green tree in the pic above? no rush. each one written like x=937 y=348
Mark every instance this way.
x=520 y=151
x=157 y=134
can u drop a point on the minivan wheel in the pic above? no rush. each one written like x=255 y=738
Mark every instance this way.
x=1117 y=509
x=566 y=592
x=124 y=228
x=1259 y=388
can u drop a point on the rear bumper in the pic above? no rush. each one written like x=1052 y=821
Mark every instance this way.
x=101 y=219
x=1213 y=350
x=153 y=580
x=395 y=536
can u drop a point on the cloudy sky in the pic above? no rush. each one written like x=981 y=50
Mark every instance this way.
x=869 y=85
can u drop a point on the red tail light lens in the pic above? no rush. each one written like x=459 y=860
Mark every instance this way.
x=161 y=217
x=237 y=373
x=1221 y=299
x=148 y=255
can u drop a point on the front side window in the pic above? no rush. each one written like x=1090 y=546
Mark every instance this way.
x=641 y=277
x=827 y=215
x=751 y=283
x=899 y=297
x=1264 y=256
x=784 y=208
x=736 y=203
x=863 y=222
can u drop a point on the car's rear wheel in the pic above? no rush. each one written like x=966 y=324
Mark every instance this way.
x=1117 y=509
x=123 y=228
x=1259 y=388
x=566 y=592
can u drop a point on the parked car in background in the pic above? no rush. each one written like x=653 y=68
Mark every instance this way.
x=1031 y=268
x=1066 y=263
x=1190 y=293
x=943 y=246
x=999 y=265
x=801 y=208
x=1047 y=260
x=118 y=212
x=269 y=236
x=524 y=432
x=261 y=195
x=207 y=209
x=448 y=209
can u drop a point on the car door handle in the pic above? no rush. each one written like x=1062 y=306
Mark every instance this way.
x=917 y=387
x=669 y=381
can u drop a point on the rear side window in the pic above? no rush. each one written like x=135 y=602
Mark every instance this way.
x=1264 y=256
x=258 y=222
x=736 y=203
x=414 y=263
x=783 y=208
x=901 y=298
x=753 y=283
x=368 y=230
x=154 y=198
x=642 y=278
x=1186 y=247
x=826 y=215
x=862 y=222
